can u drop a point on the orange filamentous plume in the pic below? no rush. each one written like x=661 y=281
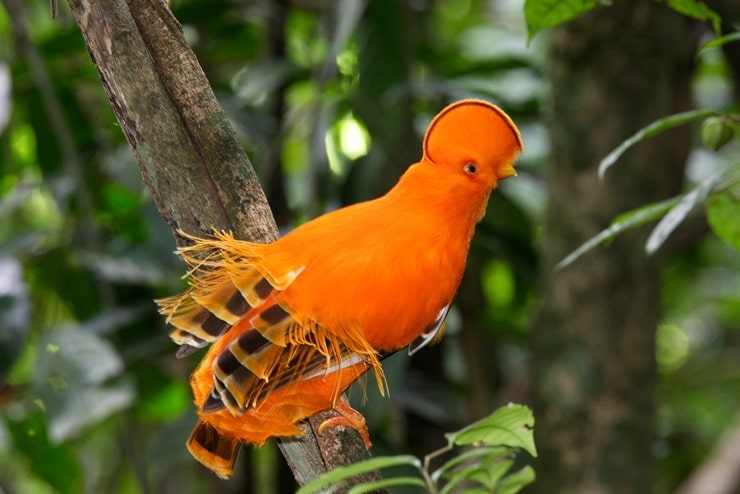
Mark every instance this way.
x=293 y=323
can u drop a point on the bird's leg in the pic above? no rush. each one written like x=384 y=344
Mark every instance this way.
x=349 y=417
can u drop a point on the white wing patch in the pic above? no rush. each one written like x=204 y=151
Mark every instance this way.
x=431 y=332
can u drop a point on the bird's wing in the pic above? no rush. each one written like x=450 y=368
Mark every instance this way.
x=260 y=343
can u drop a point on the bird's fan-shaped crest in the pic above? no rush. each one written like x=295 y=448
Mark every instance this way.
x=474 y=124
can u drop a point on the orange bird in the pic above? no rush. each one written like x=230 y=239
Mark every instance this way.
x=293 y=323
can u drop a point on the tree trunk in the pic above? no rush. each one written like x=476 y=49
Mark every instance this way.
x=613 y=71
x=197 y=171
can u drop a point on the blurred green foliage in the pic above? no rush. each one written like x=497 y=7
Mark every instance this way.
x=330 y=100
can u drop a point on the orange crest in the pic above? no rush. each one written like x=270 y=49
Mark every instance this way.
x=476 y=131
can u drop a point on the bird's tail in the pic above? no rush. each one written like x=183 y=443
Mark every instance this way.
x=213 y=449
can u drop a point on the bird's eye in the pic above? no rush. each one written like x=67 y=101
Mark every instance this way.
x=470 y=168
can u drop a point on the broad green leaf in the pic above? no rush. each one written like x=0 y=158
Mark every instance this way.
x=723 y=215
x=323 y=483
x=697 y=10
x=625 y=221
x=651 y=130
x=544 y=14
x=511 y=426
x=76 y=381
x=678 y=213
x=511 y=484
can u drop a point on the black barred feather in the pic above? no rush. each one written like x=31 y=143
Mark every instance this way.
x=205 y=441
x=275 y=349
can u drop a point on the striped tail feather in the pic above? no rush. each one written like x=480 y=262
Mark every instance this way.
x=255 y=365
x=209 y=308
x=213 y=450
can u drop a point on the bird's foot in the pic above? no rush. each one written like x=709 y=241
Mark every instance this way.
x=349 y=417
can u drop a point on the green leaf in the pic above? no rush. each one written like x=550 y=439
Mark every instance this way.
x=334 y=477
x=486 y=475
x=625 y=221
x=55 y=463
x=697 y=10
x=678 y=213
x=476 y=454
x=723 y=215
x=654 y=128
x=511 y=426
x=76 y=381
x=515 y=482
x=382 y=484
x=719 y=41
x=544 y=14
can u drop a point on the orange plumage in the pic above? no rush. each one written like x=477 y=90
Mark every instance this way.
x=293 y=323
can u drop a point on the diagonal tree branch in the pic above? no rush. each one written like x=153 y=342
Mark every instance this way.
x=197 y=172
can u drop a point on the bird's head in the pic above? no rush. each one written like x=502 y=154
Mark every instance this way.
x=473 y=143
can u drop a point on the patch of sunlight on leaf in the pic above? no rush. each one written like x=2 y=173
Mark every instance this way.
x=23 y=145
x=354 y=139
x=672 y=348
x=41 y=209
x=306 y=46
x=347 y=139
x=499 y=285
x=347 y=62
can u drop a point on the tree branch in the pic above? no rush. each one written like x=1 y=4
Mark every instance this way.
x=194 y=166
x=719 y=473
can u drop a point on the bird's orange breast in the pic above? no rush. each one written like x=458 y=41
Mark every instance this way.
x=373 y=272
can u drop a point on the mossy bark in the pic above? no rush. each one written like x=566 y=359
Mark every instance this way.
x=193 y=164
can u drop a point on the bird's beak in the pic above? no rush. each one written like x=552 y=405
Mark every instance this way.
x=506 y=172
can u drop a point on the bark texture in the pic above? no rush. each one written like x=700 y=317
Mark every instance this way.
x=193 y=164
x=613 y=71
